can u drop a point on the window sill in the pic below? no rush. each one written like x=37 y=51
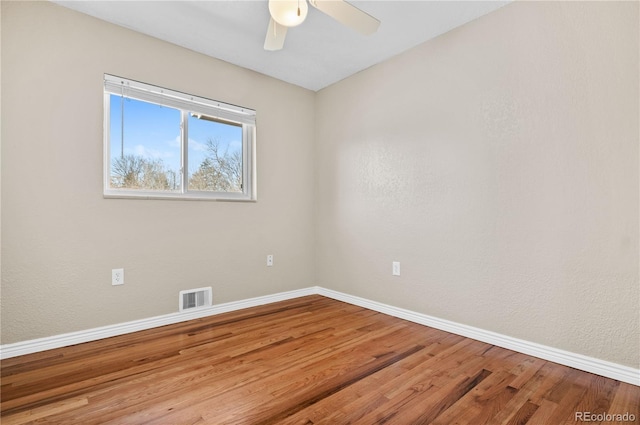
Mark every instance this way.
x=218 y=197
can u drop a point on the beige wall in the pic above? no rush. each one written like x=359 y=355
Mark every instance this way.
x=60 y=238
x=499 y=164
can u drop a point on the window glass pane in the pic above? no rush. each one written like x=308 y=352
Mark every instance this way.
x=215 y=155
x=145 y=151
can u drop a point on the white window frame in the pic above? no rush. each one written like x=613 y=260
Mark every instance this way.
x=186 y=104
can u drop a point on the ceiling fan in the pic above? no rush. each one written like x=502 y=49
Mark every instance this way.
x=291 y=13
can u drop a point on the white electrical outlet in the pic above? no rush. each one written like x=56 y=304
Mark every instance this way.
x=269 y=260
x=395 y=268
x=117 y=277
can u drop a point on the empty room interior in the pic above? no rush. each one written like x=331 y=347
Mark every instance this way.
x=436 y=222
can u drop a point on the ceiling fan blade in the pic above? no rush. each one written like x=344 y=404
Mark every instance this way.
x=347 y=14
x=276 y=34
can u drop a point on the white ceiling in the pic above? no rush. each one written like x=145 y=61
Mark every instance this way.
x=316 y=54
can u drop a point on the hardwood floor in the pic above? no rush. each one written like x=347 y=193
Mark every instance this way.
x=310 y=360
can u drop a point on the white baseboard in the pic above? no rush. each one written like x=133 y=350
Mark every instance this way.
x=72 y=338
x=577 y=361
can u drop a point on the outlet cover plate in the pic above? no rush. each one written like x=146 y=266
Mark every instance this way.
x=395 y=268
x=117 y=277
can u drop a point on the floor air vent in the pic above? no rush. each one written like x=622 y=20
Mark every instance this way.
x=195 y=298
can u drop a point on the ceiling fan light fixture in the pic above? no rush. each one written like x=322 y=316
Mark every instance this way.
x=289 y=13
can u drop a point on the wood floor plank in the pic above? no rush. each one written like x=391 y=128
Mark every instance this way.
x=520 y=408
x=482 y=403
x=50 y=409
x=626 y=401
x=352 y=403
x=522 y=415
x=598 y=396
x=525 y=370
x=310 y=360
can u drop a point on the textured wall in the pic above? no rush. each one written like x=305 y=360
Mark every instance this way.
x=499 y=164
x=60 y=238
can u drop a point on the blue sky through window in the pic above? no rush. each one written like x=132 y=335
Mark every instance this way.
x=153 y=131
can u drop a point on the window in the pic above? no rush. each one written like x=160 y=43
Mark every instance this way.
x=161 y=143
